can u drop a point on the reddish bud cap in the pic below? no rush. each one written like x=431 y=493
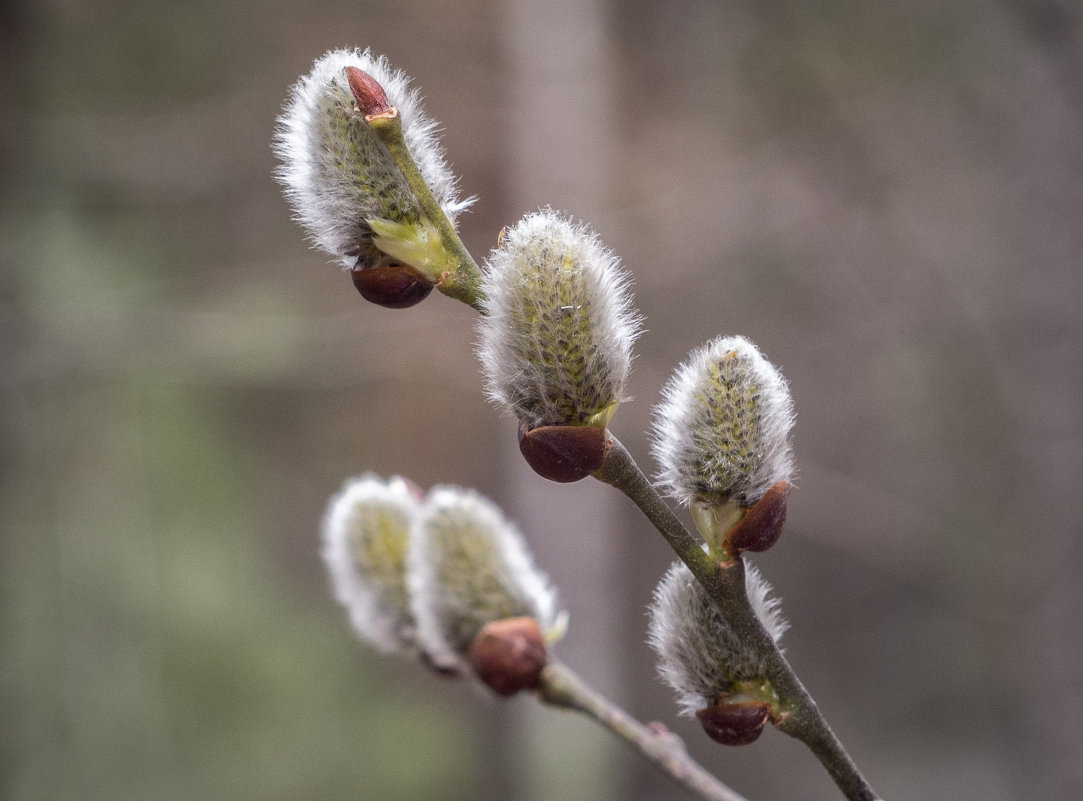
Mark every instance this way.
x=761 y=525
x=370 y=96
x=563 y=453
x=508 y=655
x=734 y=724
x=390 y=285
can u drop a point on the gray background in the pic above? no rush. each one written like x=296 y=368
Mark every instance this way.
x=885 y=197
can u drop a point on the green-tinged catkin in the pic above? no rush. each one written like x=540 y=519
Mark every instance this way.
x=366 y=531
x=468 y=566
x=557 y=334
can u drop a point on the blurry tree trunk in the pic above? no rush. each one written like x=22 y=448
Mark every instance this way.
x=557 y=143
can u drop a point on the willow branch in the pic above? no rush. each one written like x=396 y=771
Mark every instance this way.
x=561 y=687
x=798 y=714
x=724 y=583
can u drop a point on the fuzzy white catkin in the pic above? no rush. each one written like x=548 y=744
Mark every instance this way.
x=335 y=171
x=467 y=567
x=365 y=536
x=699 y=656
x=722 y=429
x=555 y=341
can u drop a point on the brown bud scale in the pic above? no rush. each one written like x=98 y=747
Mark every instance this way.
x=563 y=453
x=761 y=525
x=370 y=96
x=508 y=655
x=734 y=724
x=390 y=285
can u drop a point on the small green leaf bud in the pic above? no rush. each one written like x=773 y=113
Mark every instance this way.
x=365 y=540
x=558 y=326
x=699 y=656
x=415 y=244
x=468 y=567
x=508 y=655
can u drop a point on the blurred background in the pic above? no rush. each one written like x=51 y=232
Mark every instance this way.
x=886 y=197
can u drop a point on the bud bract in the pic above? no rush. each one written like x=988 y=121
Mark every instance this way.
x=734 y=723
x=508 y=655
x=563 y=453
x=390 y=285
x=760 y=526
x=699 y=655
x=468 y=567
x=366 y=530
x=558 y=326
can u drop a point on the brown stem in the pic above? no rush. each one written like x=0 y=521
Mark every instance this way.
x=724 y=582
x=563 y=688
